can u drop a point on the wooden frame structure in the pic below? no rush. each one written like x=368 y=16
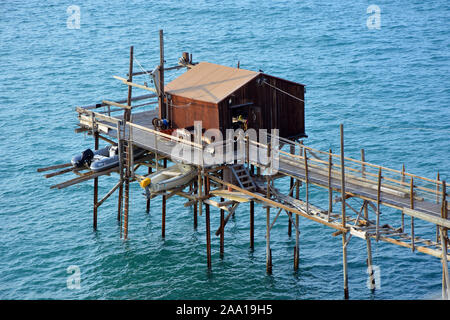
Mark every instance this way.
x=375 y=186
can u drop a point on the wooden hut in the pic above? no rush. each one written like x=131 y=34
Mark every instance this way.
x=224 y=97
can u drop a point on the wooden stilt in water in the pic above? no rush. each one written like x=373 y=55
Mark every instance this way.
x=252 y=224
x=297 y=234
x=163 y=216
x=222 y=218
x=222 y=231
x=195 y=208
x=412 y=218
x=291 y=184
x=148 y=200
x=437 y=201
x=268 y=250
x=127 y=117
x=306 y=180
x=344 y=234
x=378 y=205
x=444 y=244
x=403 y=215
x=369 y=261
x=95 y=185
x=330 y=190
x=199 y=191
x=208 y=230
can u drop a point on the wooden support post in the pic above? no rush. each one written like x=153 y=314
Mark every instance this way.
x=222 y=231
x=148 y=199
x=163 y=114
x=222 y=222
x=437 y=201
x=412 y=218
x=127 y=116
x=95 y=186
x=342 y=175
x=252 y=224
x=344 y=234
x=291 y=184
x=268 y=251
x=306 y=181
x=369 y=263
x=363 y=173
x=208 y=231
x=330 y=190
x=403 y=215
x=378 y=205
x=163 y=216
x=199 y=191
x=297 y=234
x=444 y=244
x=195 y=208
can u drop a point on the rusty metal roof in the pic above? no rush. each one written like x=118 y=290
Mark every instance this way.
x=209 y=82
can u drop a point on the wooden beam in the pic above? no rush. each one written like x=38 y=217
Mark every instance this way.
x=112 y=103
x=132 y=84
x=58 y=166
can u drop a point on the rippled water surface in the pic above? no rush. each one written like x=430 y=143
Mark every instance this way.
x=390 y=87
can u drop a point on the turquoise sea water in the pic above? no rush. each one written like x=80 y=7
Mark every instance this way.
x=389 y=86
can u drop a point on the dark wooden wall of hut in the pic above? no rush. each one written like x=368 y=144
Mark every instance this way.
x=278 y=110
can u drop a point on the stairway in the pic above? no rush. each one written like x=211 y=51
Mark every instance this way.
x=243 y=177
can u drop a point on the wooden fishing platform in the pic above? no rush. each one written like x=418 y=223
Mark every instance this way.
x=250 y=174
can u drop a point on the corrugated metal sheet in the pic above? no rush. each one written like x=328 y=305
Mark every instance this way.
x=209 y=82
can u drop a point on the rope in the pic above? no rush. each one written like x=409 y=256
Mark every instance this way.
x=358 y=122
x=368 y=124
x=282 y=91
x=150 y=75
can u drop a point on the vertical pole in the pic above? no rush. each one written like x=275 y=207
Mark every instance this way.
x=291 y=184
x=412 y=218
x=403 y=215
x=95 y=185
x=444 y=244
x=330 y=190
x=222 y=231
x=162 y=106
x=363 y=173
x=127 y=116
x=199 y=191
x=195 y=208
x=437 y=201
x=342 y=175
x=306 y=180
x=368 y=240
x=378 y=205
x=208 y=232
x=344 y=234
x=148 y=200
x=297 y=235
x=252 y=224
x=163 y=216
x=268 y=251
x=369 y=259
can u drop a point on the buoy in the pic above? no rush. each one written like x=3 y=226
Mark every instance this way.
x=144 y=183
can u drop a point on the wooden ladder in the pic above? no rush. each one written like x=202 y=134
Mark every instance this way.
x=243 y=177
